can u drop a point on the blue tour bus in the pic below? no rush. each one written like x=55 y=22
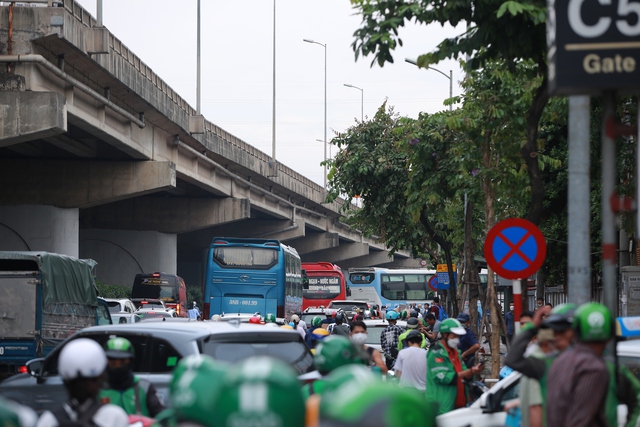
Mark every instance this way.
x=252 y=275
x=391 y=287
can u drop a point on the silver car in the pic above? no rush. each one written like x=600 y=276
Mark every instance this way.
x=159 y=345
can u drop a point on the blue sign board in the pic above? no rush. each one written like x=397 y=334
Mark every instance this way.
x=443 y=279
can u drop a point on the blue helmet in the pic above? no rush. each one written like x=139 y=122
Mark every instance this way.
x=392 y=315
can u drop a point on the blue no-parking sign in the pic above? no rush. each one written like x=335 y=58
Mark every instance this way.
x=515 y=248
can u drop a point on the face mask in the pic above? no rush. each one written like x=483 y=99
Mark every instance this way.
x=539 y=304
x=453 y=342
x=511 y=308
x=359 y=338
x=118 y=375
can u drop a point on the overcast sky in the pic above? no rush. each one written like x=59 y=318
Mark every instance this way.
x=237 y=67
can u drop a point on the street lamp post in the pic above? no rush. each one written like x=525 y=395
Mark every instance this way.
x=361 y=100
x=325 y=105
x=450 y=77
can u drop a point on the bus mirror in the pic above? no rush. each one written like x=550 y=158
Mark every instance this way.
x=348 y=291
x=305 y=280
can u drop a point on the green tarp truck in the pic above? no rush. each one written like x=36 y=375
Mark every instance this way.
x=44 y=298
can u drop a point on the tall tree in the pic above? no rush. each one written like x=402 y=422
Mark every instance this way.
x=509 y=31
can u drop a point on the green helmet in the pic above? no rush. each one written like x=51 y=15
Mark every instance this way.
x=452 y=326
x=403 y=315
x=561 y=317
x=259 y=391
x=376 y=403
x=270 y=318
x=196 y=383
x=119 y=348
x=316 y=321
x=8 y=415
x=333 y=352
x=348 y=376
x=593 y=322
x=565 y=309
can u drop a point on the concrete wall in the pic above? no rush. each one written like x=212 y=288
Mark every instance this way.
x=39 y=228
x=121 y=254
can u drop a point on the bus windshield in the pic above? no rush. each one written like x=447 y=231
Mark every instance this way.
x=322 y=287
x=243 y=257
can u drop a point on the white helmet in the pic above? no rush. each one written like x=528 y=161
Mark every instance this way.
x=81 y=358
x=216 y=318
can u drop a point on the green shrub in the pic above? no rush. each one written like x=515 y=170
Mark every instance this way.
x=113 y=291
x=194 y=293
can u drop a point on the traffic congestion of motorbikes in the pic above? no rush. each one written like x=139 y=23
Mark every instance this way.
x=428 y=371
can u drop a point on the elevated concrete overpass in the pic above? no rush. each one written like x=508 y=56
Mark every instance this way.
x=100 y=158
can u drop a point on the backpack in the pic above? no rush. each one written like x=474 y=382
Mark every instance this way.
x=84 y=420
x=339 y=330
x=442 y=314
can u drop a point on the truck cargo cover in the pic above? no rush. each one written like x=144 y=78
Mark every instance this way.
x=65 y=279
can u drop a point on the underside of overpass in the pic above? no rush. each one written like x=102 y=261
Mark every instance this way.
x=130 y=169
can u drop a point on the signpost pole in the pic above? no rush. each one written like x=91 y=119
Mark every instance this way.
x=609 y=247
x=517 y=303
x=579 y=222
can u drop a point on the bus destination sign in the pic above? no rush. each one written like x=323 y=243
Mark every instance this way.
x=593 y=46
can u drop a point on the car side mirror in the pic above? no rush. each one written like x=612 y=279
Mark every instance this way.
x=34 y=367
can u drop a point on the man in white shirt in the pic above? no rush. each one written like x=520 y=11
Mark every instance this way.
x=411 y=365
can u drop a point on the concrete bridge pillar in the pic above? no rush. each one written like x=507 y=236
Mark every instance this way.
x=39 y=228
x=121 y=254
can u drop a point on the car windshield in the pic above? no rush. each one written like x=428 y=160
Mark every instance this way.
x=295 y=353
x=114 y=306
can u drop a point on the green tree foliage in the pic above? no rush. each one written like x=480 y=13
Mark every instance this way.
x=509 y=31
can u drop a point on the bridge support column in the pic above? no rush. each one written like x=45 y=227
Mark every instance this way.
x=125 y=253
x=39 y=228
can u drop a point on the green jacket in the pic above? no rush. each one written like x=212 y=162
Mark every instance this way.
x=316 y=387
x=442 y=379
x=133 y=400
x=623 y=389
x=403 y=335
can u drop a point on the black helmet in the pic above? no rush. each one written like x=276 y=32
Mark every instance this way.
x=413 y=313
x=340 y=317
x=412 y=323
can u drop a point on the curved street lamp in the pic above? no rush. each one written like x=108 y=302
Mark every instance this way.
x=450 y=77
x=325 y=104
x=361 y=100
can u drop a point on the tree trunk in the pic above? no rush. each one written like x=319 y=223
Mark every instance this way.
x=529 y=150
x=471 y=276
x=490 y=220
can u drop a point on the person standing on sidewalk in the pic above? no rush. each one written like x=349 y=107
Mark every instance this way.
x=411 y=366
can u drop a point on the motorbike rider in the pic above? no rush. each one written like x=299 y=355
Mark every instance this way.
x=331 y=353
x=389 y=338
x=259 y=391
x=133 y=394
x=196 y=382
x=446 y=369
x=81 y=365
